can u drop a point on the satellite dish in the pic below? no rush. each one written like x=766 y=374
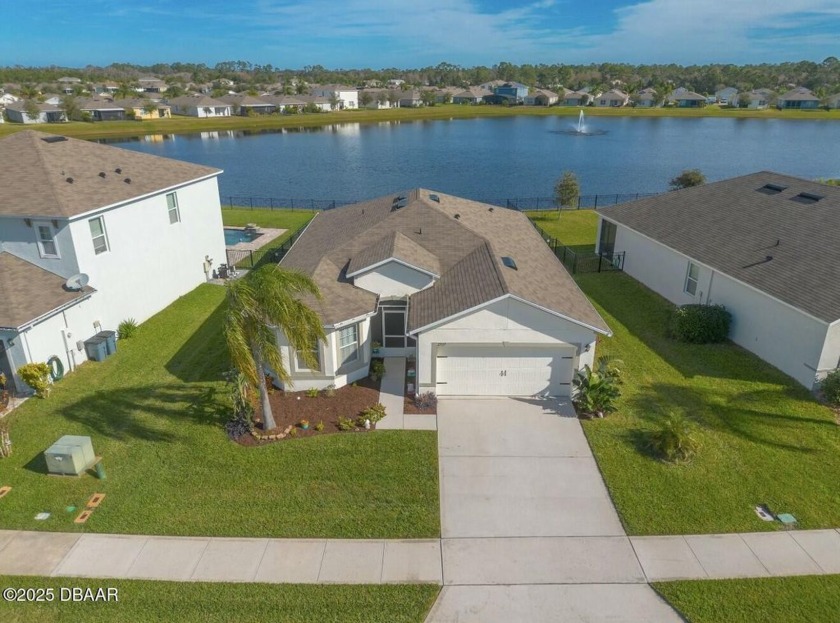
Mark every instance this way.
x=77 y=282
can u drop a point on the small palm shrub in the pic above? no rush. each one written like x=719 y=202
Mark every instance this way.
x=675 y=441
x=313 y=392
x=127 y=328
x=700 y=324
x=345 y=423
x=36 y=375
x=595 y=392
x=830 y=387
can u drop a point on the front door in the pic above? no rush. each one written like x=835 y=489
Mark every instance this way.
x=6 y=368
x=393 y=328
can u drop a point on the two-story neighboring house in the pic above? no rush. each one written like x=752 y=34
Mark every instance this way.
x=343 y=96
x=141 y=229
x=469 y=289
x=513 y=92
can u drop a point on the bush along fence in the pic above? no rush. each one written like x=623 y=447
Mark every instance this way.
x=267 y=254
x=584 y=202
x=579 y=262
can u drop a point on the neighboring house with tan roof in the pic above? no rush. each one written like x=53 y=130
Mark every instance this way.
x=140 y=227
x=577 y=98
x=541 y=97
x=766 y=246
x=471 y=290
x=472 y=95
x=798 y=98
x=47 y=113
x=245 y=105
x=614 y=98
x=199 y=106
x=102 y=109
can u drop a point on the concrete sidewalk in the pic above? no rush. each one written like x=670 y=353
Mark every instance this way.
x=299 y=561
x=391 y=396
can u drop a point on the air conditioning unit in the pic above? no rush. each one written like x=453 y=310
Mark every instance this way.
x=70 y=455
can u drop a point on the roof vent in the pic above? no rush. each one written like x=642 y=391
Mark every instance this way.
x=508 y=261
x=69 y=180
x=491 y=209
x=434 y=198
x=54 y=139
x=806 y=198
x=127 y=180
x=771 y=189
x=102 y=174
x=457 y=217
x=399 y=204
x=399 y=198
x=118 y=170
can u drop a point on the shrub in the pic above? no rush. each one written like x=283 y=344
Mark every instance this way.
x=127 y=328
x=345 y=423
x=377 y=369
x=374 y=413
x=426 y=400
x=237 y=427
x=830 y=387
x=293 y=432
x=700 y=324
x=596 y=391
x=5 y=442
x=329 y=392
x=675 y=440
x=312 y=392
x=319 y=426
x=36 y=375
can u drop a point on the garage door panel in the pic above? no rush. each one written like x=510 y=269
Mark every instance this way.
x=497 y=370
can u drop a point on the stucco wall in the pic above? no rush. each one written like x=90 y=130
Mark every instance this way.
x=21 y=240
x=781 y=335
x=507 y=320
x=151 y=262
x=393 y=279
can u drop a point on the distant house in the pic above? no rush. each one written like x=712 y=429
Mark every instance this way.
x=142 y=108
x=541 y=97
x=152 y=85
x=102 y=109
x=725 y=95
x=47 y=113
x=395 y=82
x=614 y=98
x=378 y=98
x=244 y=105
x=472 y=95
x=798 y=98
x=344 y=96
x=762 y=245
x=106 y=87
x=647 y=98
x=757 y=99
x=199 y=106
x=8 y=98
x=491 y=86
x=143 y=230
x=577 y=98
x=688 y=99
x=512 y=92
x=285 y=103
x=321 y=103
x=446 y=93
x=410 y=99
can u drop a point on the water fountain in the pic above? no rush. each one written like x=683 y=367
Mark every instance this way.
x=581 y=126
x=581 y=129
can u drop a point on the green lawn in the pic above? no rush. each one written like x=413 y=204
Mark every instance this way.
x=155 y=412
x=183 y=125
x=290 y=220
x=815 y=599
x=199 y=602
x=765 y=440
x=574 y=228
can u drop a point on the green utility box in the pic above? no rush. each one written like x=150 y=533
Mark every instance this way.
x=70 y=455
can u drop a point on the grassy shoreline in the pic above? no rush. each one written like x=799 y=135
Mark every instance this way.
x=186 y=125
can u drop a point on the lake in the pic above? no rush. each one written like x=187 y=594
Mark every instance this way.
x=498 y=158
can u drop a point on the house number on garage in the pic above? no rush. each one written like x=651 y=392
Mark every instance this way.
x=503 y=373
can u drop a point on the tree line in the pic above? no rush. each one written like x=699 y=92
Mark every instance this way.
x=821 y=76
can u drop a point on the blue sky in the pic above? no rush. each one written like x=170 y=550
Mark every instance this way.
x=405 y=33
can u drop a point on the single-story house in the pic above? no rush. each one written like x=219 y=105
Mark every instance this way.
x=446 y=94
x=689 y=99
x=151 y=85
x=284 y=103
x=577 y=98
x=244 y=105
x=321 y=103
x=757 y=99
x=375 y=98
x=7 y=98
x=91 y=235
x=647 y=98
x=798 y=98
x=614 y=98
x=725 y=95
x=472 y=95
x=199 y=106
x=469 y=289
x=47 y=113
x=410 y=99
x=102 y=109
x=541 y=97
x=145 y=108
x=766 y=246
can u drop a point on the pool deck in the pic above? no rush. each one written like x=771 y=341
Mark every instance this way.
x=267 y=235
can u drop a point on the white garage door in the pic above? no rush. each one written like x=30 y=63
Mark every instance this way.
x=498 y=370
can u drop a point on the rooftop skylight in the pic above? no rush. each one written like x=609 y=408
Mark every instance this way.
x=771 y=189
x=508 y=261
x=806 y=198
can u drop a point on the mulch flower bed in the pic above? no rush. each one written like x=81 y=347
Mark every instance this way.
x=289 y=408
x=409 y=406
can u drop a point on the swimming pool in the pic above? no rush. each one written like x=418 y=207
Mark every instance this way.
x=236 y=236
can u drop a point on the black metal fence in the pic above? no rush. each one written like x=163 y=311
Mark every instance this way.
x=579 y=261
x=584 y=202
x=269 y=253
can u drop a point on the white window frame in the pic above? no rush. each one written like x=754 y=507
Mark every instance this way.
x=691 y=282
x=300 y=364
x=103 y=235
x=173 y=209
x=342 y=347
x=42 y=250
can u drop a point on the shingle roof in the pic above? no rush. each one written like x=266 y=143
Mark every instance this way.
x=56 y=177
x=734 y=226
x=799 y=94
x=197 y=101
x=467 y=251
x=28 y=291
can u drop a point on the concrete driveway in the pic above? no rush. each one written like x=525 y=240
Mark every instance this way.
x=529 y=530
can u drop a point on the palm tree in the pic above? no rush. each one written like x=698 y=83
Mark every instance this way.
x=269 y=298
